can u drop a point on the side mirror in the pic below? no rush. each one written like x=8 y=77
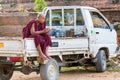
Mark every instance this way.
x=111 y=27
x=117 y=27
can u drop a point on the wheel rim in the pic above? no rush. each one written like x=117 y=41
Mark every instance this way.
x=52 y=71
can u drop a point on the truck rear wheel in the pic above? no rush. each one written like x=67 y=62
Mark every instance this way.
x=50 y=70
x=6 y=71
x=101 y=61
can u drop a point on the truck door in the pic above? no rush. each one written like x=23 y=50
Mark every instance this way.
x=104 y=35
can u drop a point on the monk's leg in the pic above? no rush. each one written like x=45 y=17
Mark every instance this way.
x=48 y=43
x=41 y=54
x=47 y=52
x=39 y=45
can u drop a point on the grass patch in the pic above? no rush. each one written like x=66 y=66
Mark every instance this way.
x=77 y=68
x=18 y=63
x=111 y=66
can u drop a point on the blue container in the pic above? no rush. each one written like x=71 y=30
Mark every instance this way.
x=57 y=33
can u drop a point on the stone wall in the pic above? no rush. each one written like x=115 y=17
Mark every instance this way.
x=12 y=5
x=112 y=16
x=11 y=24
x=100 y=4
x=16 y=18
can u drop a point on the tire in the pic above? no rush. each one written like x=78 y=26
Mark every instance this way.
x=6 y=71
x=50 y=70
x=101 y=63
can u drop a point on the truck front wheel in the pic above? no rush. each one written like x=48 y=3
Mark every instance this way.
x=101 y=61
x=50 y=70
x=6 y=71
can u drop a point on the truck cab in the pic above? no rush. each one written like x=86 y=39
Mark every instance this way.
x=79 y=22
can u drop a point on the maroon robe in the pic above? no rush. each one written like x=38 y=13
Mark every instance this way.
x=43 y=39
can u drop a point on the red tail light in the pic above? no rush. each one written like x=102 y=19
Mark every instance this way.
x=16 y=59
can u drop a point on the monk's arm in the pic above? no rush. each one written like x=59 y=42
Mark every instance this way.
x=36 y=32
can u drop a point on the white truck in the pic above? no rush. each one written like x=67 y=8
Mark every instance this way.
x=80 y=35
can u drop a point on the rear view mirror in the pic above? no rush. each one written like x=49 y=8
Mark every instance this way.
x=117 y=26
x=111 y=27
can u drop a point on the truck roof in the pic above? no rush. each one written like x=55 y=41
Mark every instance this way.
x=82 y=7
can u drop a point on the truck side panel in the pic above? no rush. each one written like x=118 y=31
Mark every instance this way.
x=11 y=46
x=65 y=46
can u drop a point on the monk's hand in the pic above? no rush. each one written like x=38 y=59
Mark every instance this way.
x=46 y=30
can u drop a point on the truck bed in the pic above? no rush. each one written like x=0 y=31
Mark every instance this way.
x=16 y=46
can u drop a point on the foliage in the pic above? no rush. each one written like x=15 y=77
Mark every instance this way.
x=0 y=23
x=119 y=26
x=22 y=9
x=40 y=5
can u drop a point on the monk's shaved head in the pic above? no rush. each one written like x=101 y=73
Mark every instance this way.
x=41 y=17
x=40 y=14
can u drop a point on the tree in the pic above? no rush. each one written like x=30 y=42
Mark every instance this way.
x=40 y=5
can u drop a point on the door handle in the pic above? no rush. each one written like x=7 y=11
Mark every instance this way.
x=97 y=32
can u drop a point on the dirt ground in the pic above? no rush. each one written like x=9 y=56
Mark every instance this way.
x=73 y=75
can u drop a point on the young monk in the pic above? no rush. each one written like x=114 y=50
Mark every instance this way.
x=39 y=32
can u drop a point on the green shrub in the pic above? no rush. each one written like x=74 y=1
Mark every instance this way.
x=40 y=5
x=0 y=23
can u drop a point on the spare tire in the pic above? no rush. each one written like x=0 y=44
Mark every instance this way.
x=50 y=70
x=6 y=71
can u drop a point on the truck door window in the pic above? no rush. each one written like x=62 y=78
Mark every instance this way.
x=48 y=18
x=98 y=21
x=80 y=29
x=57 y=17
x=79 y=18
x=69 y=17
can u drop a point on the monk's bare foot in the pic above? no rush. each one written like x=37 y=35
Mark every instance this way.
x=44 y=57
x=48 y=57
